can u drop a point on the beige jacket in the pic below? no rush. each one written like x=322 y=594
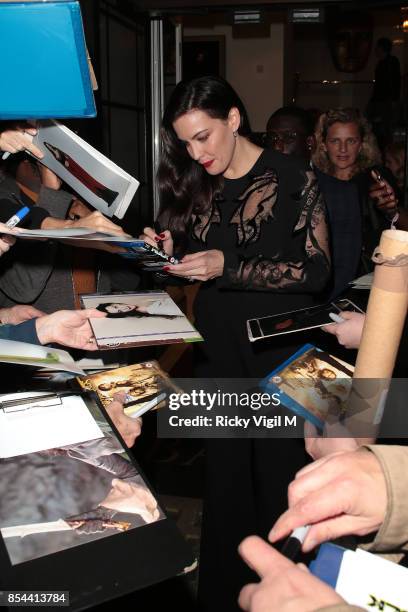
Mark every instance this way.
x=393 y=534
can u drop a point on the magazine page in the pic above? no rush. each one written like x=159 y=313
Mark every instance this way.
x=50 y=358
x=93 y=176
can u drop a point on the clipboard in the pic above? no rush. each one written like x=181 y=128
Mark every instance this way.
x=92 y=567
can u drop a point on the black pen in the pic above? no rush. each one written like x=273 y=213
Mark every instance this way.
x=293 y=545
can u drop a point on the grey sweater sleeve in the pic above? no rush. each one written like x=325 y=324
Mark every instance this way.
x=26 y=268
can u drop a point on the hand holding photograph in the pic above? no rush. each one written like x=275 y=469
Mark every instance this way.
x=313 y=384
x=145 y=385
x=298 y=320
x=138 y=319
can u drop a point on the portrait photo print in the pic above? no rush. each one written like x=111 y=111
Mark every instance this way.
x=138 y=319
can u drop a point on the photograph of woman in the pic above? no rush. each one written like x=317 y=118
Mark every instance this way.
x=250 y=224
x=140 y=318
x=157 y=308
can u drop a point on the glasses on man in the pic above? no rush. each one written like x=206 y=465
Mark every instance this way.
x=285 y=136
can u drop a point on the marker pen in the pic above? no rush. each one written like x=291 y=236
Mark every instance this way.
x=19 y=216
x=293 y=545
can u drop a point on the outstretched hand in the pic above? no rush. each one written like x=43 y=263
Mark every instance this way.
x=69 y=327
x=349 y=332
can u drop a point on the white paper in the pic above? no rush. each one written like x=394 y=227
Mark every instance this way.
x=25 y=429
x=366 y=580
x=24 y=353
x=72 y=233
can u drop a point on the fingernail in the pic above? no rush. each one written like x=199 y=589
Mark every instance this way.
x=272 y=534
x=309 y=545
x=157 y=239
x=162 y=235
x=165 y=268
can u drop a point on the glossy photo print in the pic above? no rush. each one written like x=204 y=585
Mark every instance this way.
x=63 y=497
x=312 y=383
x=137 y=319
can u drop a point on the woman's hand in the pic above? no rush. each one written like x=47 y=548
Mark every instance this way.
x=348 y=333
x=383 y=193
x=19 y=139
x=202 y=266
x=163 y=241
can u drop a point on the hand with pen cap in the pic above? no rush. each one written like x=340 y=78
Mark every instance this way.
x=284 y=586
x=341 y=494
x=348 y=332
x=68 y=327
x=163 y=241
x=19 y=138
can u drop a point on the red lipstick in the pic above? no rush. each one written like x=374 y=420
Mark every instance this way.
x=208 y=164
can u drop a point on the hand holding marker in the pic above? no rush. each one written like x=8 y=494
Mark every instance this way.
x=293 y=544
x=19 y=216
x=336 y=318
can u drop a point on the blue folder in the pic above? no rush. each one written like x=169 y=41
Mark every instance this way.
x=327 y=564
x=44 y=63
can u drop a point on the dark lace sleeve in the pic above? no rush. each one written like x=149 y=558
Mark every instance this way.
x=307 y=273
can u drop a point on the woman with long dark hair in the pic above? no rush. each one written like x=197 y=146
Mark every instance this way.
x=253 y=224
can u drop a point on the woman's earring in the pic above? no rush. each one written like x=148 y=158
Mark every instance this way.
x=235 y=133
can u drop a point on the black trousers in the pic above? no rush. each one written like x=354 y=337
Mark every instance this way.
x=246 y=479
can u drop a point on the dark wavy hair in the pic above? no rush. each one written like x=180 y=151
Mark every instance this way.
x=185 y=187
x=103 y=307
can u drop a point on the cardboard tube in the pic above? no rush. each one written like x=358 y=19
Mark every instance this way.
x=384 y=322
x=386 y=310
